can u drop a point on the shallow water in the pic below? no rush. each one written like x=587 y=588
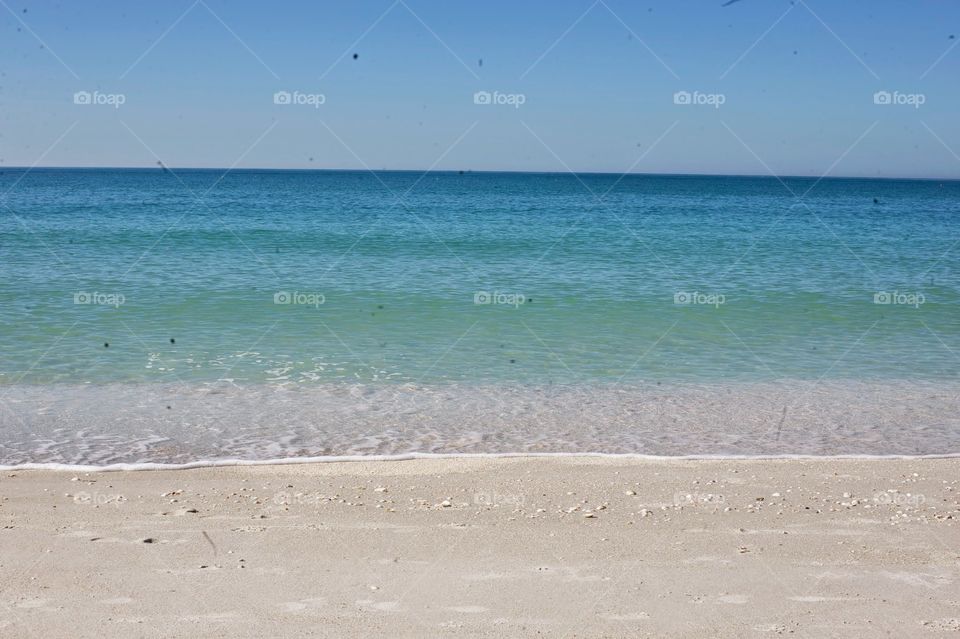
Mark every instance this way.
x=177 y=424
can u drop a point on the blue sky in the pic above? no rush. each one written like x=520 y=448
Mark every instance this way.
x=597 y=80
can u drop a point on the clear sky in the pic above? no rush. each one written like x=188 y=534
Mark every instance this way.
x=784 y=87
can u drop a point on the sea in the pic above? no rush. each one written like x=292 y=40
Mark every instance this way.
x=154 y=317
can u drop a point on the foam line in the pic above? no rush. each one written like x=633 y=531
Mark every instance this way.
x=215 y=463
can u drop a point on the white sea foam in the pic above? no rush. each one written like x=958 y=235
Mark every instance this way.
x=140 y=426
x=213 y=463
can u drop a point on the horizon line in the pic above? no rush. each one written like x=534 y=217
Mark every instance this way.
x=226 y=170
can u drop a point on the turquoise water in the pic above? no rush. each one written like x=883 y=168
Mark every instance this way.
x=173 y=317
x=199 y=260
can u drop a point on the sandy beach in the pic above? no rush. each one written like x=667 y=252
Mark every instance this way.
x=486 y=547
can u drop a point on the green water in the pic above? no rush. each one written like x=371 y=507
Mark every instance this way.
x=186 y=270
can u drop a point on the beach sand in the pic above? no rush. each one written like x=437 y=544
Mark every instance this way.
x=486 y=547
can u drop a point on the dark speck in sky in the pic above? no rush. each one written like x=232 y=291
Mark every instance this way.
x=356 y=55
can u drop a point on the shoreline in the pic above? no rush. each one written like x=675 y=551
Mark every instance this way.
x=413 y=456
x=585 y=546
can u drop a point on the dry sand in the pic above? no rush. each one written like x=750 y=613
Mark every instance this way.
x=521 y=547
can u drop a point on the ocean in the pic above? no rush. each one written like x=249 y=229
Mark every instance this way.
x=191 y=316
